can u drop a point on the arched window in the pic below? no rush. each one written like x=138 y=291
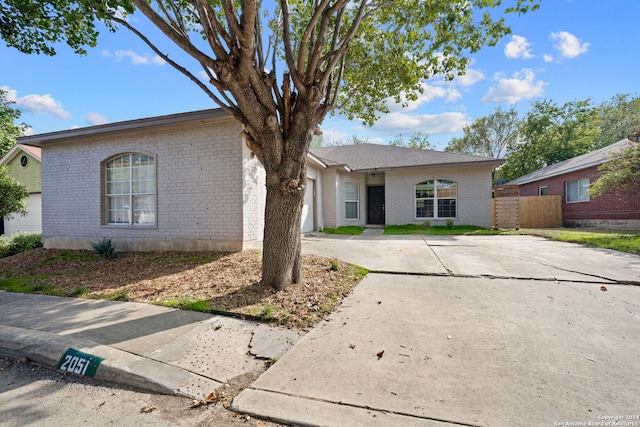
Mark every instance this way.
x=436 y=198
x=131 y=190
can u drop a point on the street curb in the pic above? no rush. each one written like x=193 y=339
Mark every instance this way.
x=118 y=367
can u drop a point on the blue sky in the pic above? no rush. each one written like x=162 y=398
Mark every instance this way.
x=568 y=50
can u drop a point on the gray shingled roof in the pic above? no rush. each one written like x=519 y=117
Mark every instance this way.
x=364 y=157
x=594 y=158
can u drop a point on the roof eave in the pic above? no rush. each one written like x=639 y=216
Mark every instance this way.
x=130 y=125
x=558 y=173
x=13 y=152
x=493 y=162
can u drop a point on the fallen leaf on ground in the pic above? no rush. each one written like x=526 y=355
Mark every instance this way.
x=379 y=354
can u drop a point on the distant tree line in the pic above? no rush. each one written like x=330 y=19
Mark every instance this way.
x=548 y=133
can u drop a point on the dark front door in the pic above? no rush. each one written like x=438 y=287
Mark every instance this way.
x=375 y=202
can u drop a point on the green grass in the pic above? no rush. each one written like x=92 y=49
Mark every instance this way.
x=199 y=259
x=28 y=285
x=345 y=229
x=438 y=229
x=624 y=241
x=187 y=303
x=118 y=296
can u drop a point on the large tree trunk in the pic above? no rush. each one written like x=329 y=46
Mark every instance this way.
x=286 y=185
x=282 y=258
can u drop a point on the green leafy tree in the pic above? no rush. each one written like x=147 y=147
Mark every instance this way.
x=618 y=116
x=9 y=131
x=620 y=175
x=279 y=68
x=418 y=141
x=13 y=196
x=550 y=133
x=488 y=136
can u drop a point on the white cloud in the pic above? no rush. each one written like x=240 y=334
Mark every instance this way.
x=429 y=93
x=37 y=104
x=548 y=58
x=430 y=124
x=569 y=45
x=522 y=85
x=518 y=47
x=96 y=119
x=136 y=59
x=469 y=78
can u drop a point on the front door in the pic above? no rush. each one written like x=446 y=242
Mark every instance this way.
x=375 y=204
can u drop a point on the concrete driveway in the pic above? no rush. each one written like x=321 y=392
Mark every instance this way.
x=480 y=330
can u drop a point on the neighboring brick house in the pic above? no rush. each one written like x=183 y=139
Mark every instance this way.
x=189 y=182
x=572 y=178
x=24 y=167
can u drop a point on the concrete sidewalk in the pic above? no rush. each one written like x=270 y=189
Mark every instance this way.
x=149 y=347
x=470 y=330
x=458 y=346
x=520 y=257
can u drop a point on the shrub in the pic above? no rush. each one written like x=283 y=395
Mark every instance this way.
x=105 y=248
x=426 y=224
x=449 y=224
x=24 y=242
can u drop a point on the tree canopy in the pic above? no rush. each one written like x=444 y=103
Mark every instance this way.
x=418 y=141
x=550 y=133
x=279 y=68
x=621 y=174
x=9 y=131
x=489 y=136
x=13 y=196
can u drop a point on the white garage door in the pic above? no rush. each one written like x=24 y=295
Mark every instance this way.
x=307 y=209
x=32 y=223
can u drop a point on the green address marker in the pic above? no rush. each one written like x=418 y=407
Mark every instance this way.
x=80 y=363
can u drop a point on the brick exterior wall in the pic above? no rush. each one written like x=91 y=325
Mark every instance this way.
x=329 y=199
x=473 y=204
x=606 y=210
x=474 y=194
x=205 y=189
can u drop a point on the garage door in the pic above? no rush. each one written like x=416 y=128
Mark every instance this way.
x=32 y=223
x=308 y=208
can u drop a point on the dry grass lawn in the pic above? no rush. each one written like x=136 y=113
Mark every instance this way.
x=205 y=281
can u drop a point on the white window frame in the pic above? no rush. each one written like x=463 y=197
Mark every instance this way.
x=347 y=200
x=435 y=199
x=138 y=208
x=541 y=189
x=583 y=190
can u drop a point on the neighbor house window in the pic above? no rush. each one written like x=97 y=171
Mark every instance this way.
x=542 y=191
x=131 y=190
x=578 y=191
x=436 y=198
x=351 y=193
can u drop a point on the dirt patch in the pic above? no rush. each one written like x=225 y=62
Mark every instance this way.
x=209 y=281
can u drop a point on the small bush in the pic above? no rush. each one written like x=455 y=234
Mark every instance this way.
x=334 y=266
x=24 y=242
x=426 y=224
x=449 y=224
x=105 y=248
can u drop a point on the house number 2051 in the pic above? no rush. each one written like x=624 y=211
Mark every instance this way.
x=80 y=363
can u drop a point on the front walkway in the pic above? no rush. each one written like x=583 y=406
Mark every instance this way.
x=542 y=345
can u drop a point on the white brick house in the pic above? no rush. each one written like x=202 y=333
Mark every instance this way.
x=188 y=182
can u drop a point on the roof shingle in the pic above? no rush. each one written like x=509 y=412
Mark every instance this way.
x=593 y=158
x=361 y=157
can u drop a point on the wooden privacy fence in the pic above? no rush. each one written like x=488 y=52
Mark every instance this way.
x=527 y=212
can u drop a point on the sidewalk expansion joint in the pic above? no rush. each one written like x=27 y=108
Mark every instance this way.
x=197 y=374
x=491 y=276
x=368 y=408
